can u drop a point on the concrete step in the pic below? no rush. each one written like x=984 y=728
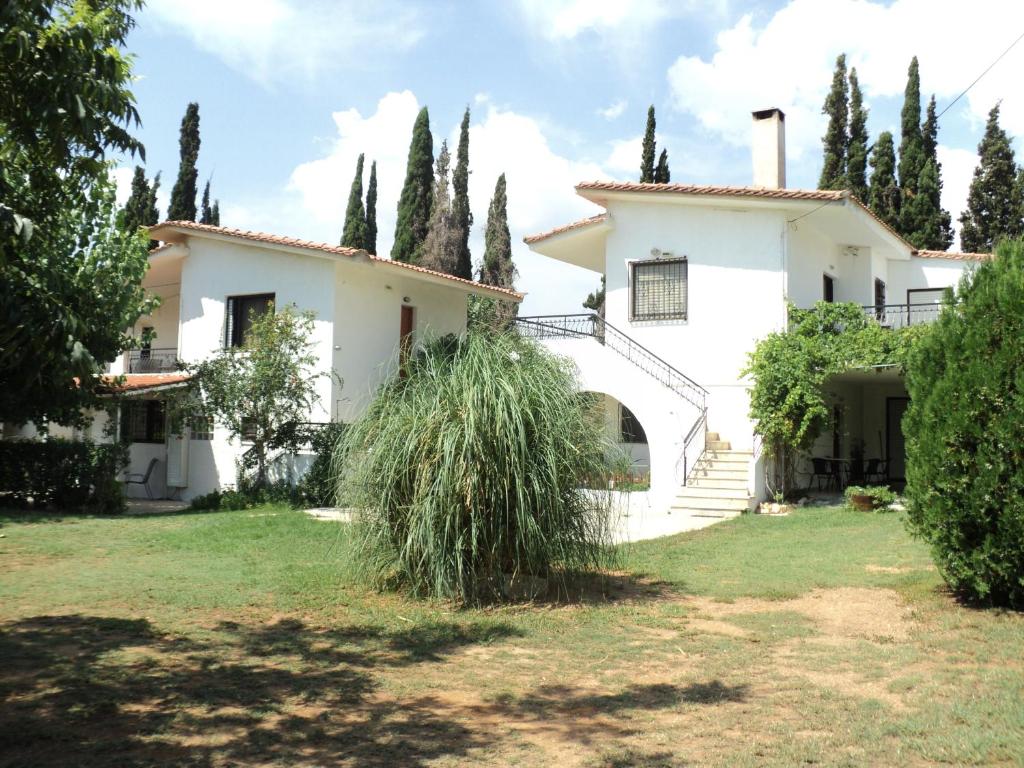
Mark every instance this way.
x=712 y=492
x=718 y=482
x=730 y=459
x=718 y=445
x=720 y=514
x=712 y=436
x=717 y=473
x=714 y=504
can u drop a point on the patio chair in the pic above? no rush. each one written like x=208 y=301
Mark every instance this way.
x=875 y=470
x=822 y=468
x=141 y=478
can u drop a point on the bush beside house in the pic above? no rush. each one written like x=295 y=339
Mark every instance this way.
x=64 y=474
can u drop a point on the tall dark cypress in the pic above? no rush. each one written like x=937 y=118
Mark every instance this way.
x=141 y=210
x=183 y=195
x=932 y=225
x=857 y=151
x=354 y=233
x=460 y=200
x=836 y=139
x=498 y=268
x=912 y=158
x=662 y=175
x=215 y=213
x=417 y=193
x=883 y=191
x=647 y=155
x=994 y=201
x=206 y=212
x=371 y=211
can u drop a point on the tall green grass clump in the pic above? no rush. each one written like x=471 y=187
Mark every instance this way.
x=468 y=472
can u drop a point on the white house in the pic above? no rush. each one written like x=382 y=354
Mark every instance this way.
x=209 y=279
x=695 y=276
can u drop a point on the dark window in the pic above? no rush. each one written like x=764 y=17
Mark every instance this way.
x=658 y=289
x=629 y=427
x=147 y=344
x=248 y=429
x=201 y=427
x=142 y=421
x=879 y=299
x=241 y=311
x=828 y=284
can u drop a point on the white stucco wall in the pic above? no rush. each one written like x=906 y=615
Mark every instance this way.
x=923 y=273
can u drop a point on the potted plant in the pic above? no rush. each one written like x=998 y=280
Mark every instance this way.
x=866 y=498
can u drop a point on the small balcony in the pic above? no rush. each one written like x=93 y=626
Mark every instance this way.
x=151 y=361
x=903 y=315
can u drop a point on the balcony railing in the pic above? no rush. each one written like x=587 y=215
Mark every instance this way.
x=152 y=360
x=902 y=315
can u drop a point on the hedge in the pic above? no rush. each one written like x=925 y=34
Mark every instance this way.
x=61 y=473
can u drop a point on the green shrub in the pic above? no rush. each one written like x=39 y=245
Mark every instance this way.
x=317 y=487
x=881 y=497
x=249 y=495
x=66 y=474
x=468 y=472
x=965 y=429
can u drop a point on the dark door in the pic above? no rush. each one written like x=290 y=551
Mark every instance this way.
x=895 y=450
x=405 y=338
x=828 y=288
x=879 y=299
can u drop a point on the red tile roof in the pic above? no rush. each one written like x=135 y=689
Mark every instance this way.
x=953 y=256
x=529 y=239
x=824 y=195
x=263 y=237
x=139 y=382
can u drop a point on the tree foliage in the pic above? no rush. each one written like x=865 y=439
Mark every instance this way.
x=371 y=211
x=417 y=193
x=964 y=429
x=354 y=233
x=647 y=151
x=463 y=216
x=470 y=470
x=836 y=138
x=183 y=195
x=497 y=268
x=209 y=214
x=994 y=202
x=912 y=157
x=595 y=299
x=264 y=389
x=884 y=192
x=857 y=149
x=140 y=210
x=444 y=238
x=662 y=174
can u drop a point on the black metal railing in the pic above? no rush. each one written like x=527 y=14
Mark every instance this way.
x=903 y=315
x=595 y=326
x=152 y=360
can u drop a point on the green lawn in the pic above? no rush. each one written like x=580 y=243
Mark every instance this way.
x=243 y=638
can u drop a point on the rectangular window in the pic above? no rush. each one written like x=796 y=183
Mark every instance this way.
x=248 y=430
x=142 y=421
x=629 y=427
x=879 y=299
x=828 y=288
x=201 y=427
x=658 y=289
x=241 y=311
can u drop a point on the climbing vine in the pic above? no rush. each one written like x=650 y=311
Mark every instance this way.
x=790 y=369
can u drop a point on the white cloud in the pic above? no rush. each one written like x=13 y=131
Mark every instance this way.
x=277 y=40
x=613 y=111
x=787 y=62
x=122 y=177
x=624 y=159
x=957 y=171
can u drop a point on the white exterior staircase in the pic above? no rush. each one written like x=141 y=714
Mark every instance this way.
x=719 y=485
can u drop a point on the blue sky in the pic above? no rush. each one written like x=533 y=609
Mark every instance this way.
x=290 y=91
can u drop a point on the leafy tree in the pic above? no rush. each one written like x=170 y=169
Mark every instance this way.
x=497 y=269
x=417 y=193
x=994 y=202
x=647 y=154
x=964 y=426
x=912 y=154
x=883 y=192
x=460 y=204
x=140 y=210
x=836 y=138
x=264 y=389
x=183 y=195
x=595 y=300
x=662 y=175
x=70 y=274
x=371 y=211
x=354 y=234
x=857 y=150
x=441 y=248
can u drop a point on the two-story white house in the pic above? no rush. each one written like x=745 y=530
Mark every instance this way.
x=211 y=279
x=695 y=276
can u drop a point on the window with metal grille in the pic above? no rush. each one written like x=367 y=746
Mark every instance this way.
x=658 y=289
x=142 y=421
x=629 y=427
x=241 y=311
x=201 y=427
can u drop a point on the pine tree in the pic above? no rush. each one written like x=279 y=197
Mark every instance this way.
x=183 y=196
x=912 y=157
x=460 y=201
x=498 y=269
x=994 y=201
x=883 y=192
x=857 y=151
x=371 y=211
x=417 y=193
x=354 y=233
x=934 y=224
x=441 y=247
x=206 y=212
x=661 y=173
x=647 y=156
x=836 y=139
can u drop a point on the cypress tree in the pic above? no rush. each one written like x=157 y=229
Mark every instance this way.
x=183 y=195
x=371 y=211
x=647 y=156
x=883 y=192
x=912 y=156
x=417 y=193
x=661 y=173
x=836 y=139
x=141 y=210
x=857 y=151
x=935 y=224
x=354 y=233
x=441 y=247
x=460 y=202
x=994 y=201
x=498 y=268
x=595 y=300
x=206 y=212
x=215 y=213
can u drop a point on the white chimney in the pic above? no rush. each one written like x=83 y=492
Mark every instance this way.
x=769 y=148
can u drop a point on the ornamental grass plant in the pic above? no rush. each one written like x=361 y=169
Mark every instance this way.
x=468 y=473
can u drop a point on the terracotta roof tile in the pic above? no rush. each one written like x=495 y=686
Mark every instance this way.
x=953 y=256
x=566 y=228
x=137 y=382
x=824 y=195
x=263 y=237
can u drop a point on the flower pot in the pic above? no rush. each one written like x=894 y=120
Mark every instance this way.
x=862 y=502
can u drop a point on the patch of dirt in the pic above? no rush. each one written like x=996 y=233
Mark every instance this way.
x=715 y=627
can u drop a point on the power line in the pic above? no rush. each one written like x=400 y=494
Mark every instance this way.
x=998 y=58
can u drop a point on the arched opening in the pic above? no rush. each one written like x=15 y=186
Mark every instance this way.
x=630 y=438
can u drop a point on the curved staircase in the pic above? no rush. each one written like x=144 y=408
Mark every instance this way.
x=718 y=484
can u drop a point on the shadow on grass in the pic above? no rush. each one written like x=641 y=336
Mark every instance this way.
x=97 y=691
